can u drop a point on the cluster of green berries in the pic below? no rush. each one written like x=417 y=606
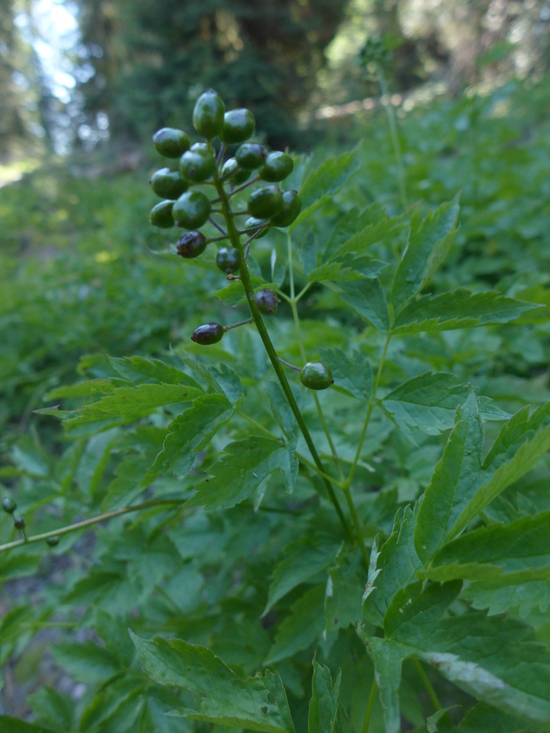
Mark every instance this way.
x=200 y=164
x=9 y=506
x=190 y=208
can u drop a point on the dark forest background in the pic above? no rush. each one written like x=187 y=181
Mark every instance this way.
x=73 y=75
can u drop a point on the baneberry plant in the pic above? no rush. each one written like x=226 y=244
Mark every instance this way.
x=348 y=547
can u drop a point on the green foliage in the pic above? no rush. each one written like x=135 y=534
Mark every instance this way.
x=258 y=703
x=284 y=558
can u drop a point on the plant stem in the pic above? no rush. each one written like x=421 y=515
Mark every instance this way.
x=370 y=706
x=218 y=227
x=303 y=291
x=217 y=239
x=320 y=473
x=256 y=424
x=427 y=684
x=246 y=245
x=289 y=365
x=369 y=411
x=335 y=457
x=293 y=302
x=264 y=335
x=236 y=325
x=241 y=188
x=88 y=523
x=390 y=114
x=356 y=524
x=221 y=153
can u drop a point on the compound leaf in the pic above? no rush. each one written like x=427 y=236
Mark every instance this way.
x=126 y=404
x=367 y=298
x=428 y=402
x=455 y=480
x=427 y=246
x=323 y=706
x=243 y=466
x=301 y=628
x=139 y=370
x=458 y=309
x=257 y=703
x=345 y=586
x=323 y=182
x=352 y=374
x=397 y=563
x=304 y=559
x=508 y=473
x=189 y=432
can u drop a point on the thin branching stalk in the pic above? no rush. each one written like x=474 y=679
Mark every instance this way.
x=370 y=706
x=88 y=522
x=218 y=227
x=427 y=684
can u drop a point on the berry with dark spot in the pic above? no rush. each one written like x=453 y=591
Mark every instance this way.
x=267 y=301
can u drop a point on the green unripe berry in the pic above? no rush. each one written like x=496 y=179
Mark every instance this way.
x=202 y=147
x=161 y=215
x=171 y=143
x=238 y=125
x=198 y=164
x=267 y=301
x=265 y=202
x=276 y=167
x=290 y=210
x=232 y=171
x=208 y=114
x=191 y=245
x=168 y=184
x=315 y=375
x=52 y=541
x=253 y=224
x=208 y=333
x=8 y=505
x=19 y=523
x=228 y=259
x=229 y=167
x=191 y=210
x=251 y=156
x=240 y=176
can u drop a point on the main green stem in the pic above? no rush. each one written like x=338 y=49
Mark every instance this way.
x=262 y=330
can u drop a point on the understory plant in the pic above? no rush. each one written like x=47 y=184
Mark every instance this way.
x=317 y=520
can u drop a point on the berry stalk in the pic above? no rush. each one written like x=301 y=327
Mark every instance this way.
x=88 y=522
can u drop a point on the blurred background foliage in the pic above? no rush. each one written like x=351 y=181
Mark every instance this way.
x=75 y=74
x=84 y=84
